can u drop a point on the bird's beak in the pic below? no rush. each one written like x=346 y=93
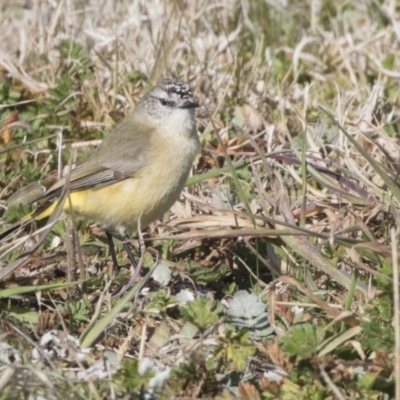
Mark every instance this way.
x=189 y=104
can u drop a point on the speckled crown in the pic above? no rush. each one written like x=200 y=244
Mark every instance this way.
x=174 y=86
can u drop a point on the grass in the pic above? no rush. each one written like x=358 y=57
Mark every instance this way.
x=277 y=271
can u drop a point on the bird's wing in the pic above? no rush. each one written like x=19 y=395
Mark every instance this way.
x=104 y=168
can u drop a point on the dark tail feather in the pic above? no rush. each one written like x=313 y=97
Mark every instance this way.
x=4 y=235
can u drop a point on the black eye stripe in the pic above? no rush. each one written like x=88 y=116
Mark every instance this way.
x=165 y=102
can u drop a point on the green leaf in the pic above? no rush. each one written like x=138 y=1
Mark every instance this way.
x=302 y=340
x=377 y=336
x=129 y=377
x=159 y=302
x=235 y=348
x=22 y=314
x=202 y=312
x=16 y=291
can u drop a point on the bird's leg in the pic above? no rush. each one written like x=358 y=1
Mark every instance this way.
x=112 y=251
x=114 y=255
x=128 y=249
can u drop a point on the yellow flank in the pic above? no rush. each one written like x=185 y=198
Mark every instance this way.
x=118 y=206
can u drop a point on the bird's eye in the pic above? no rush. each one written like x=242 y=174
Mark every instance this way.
x=163 y=102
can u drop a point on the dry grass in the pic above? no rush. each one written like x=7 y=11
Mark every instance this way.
x=293 y=198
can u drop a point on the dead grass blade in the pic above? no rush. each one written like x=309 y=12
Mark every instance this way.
x=391 y=185
x=98 y=328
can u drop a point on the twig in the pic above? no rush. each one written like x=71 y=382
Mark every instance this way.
x=396 y=322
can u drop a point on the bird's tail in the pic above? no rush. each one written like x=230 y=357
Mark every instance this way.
x=4 y=234
x=26 y=195
x=29 y=195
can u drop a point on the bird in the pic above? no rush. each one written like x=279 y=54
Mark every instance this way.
x=137 y=172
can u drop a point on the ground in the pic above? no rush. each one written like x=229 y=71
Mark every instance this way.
x=276 y=274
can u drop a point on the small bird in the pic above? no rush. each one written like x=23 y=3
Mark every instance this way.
x=138 y=171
